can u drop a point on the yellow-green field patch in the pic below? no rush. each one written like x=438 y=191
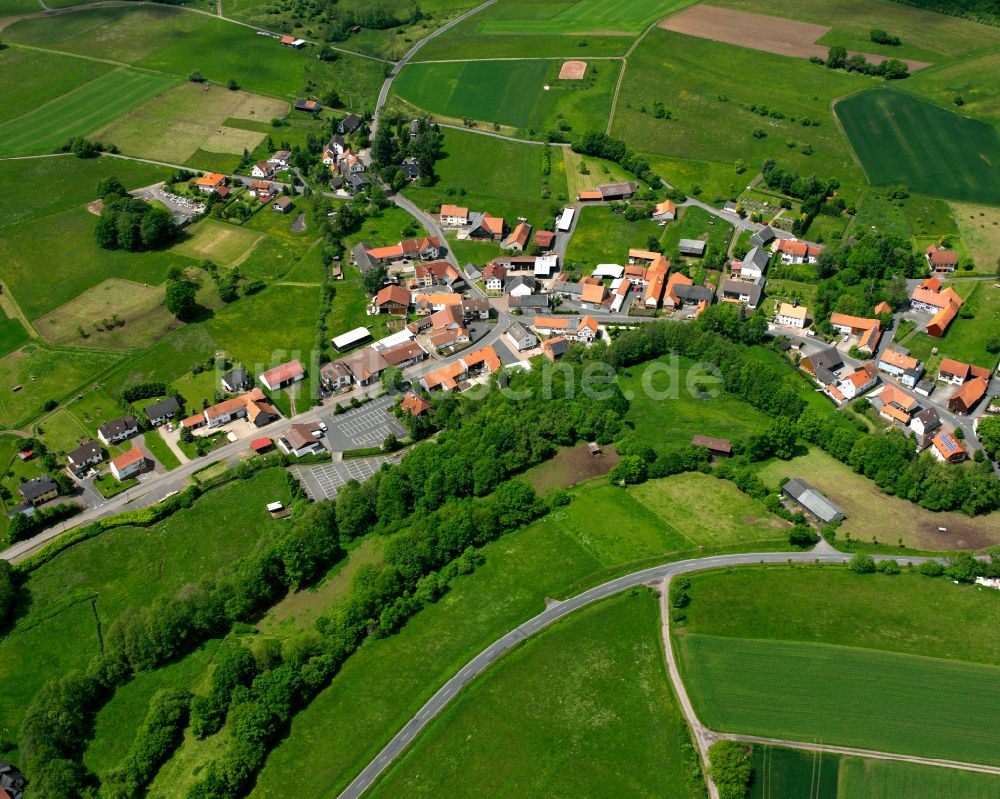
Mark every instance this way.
x=891 y=519
x=708 y=511
x=119 y=314
x=190 y=117
x=217 y=241
x=979 y=227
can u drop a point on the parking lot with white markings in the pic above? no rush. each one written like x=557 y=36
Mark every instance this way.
x=322 y=481
x=366 y=426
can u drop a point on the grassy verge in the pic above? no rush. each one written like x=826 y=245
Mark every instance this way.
x=160 y=450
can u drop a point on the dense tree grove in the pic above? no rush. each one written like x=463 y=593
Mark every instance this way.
x=814 y=193
x=730 y=768
x=857 y=276
x=127 y=223
x=160 y=733
x=600 y=145
x=985 y=11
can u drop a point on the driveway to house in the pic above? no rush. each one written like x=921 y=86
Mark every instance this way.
x=553 y=613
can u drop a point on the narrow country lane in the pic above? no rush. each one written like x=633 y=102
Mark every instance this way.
x=655 y=575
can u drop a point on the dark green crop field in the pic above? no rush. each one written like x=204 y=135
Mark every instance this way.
x=901 y=139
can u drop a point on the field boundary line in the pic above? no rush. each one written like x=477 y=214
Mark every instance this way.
x=850 y=751
x=521 y=58
x=845 y=137
x=697 y=730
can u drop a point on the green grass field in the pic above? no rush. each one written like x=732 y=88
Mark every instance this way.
x=282 y=327
x=696 y=80
x=908 y=614
x=12 y=335
x=502 y=177
x=512 y=93
x=80 y=112
x=666 y=419
x=901 y=139
x=864 y=779
x=44 y=374
x=779 y=773
x=122 y=568
x=584 y=709
x=65 y=243
x=605 y=531
x=52 y=76
x=909 y=218
x=710 y=512
x=792 y=635
x=140 y=309
x=189 y=119
x=583 y=17
x=975 y=80
x=74 y=180
x=604 y=237
x=217 y=241
x=820 y=692
x=520 y=28
x=174 y=41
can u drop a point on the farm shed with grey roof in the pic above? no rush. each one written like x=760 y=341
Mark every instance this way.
x=812 y=500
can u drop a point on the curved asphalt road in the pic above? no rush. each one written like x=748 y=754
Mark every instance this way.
x=383 y=95
x=498 y=648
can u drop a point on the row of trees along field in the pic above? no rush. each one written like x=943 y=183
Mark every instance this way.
x=723 y=336
x=447 y=498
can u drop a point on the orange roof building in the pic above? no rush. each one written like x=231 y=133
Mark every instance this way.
x=415 y=405
x=883 y=307
x=947 y=448
x=970 y=393
x=210 y=182
x=656 y=275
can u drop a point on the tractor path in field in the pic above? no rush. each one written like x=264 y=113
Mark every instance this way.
x=554 y=611
x=13 y=310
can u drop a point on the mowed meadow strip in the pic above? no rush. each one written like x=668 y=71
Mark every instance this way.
x=901 y=139
x=81 y=111
x=883 y=701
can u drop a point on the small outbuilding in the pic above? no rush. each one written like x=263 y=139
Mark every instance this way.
x=716 y=446
x=812 y=501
